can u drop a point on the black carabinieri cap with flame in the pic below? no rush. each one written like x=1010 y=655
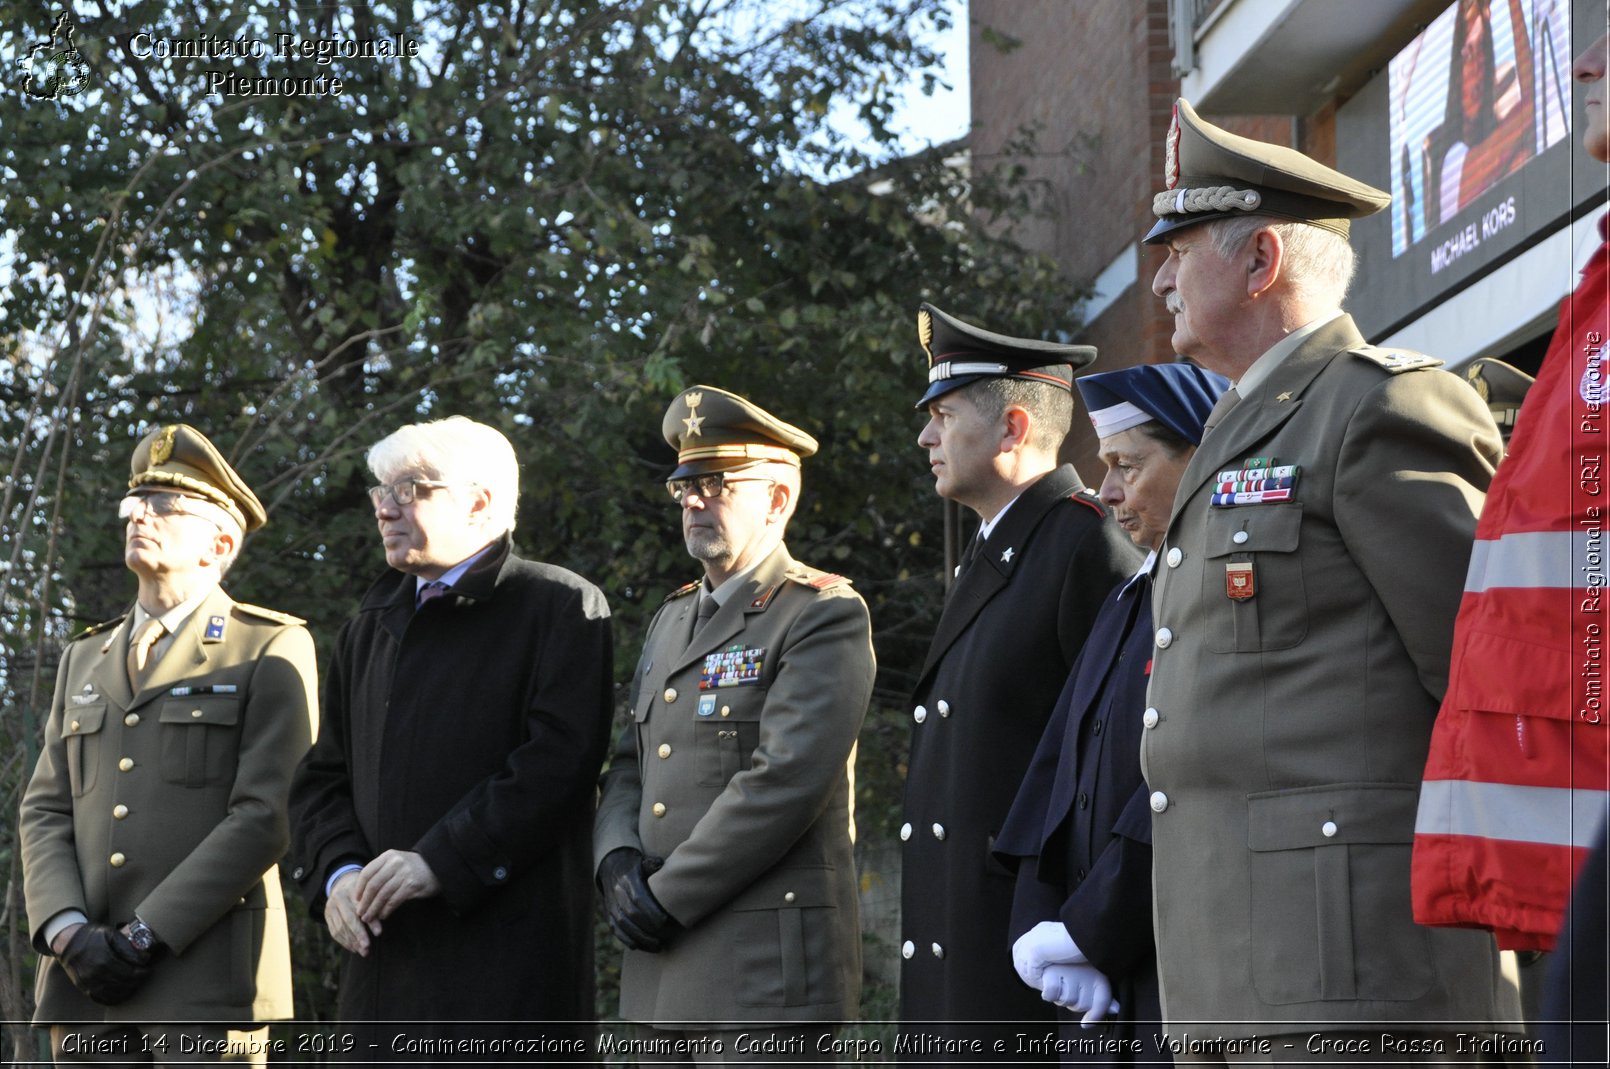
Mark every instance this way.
x=960 y=354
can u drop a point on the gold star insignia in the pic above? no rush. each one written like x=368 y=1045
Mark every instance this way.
x=1284 y=397
x=694 y=420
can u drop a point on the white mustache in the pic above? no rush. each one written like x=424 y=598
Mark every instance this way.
x=1174 y=303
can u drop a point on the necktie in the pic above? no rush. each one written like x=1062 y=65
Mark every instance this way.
x=140 y=644
x=707 y=608
x=975 y=549
x=433 y=589
x=1221 y=408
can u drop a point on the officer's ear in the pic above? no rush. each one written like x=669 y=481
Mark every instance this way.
x=1017 y=425
x=224 y=545
x=782 y=502
x=1264 y=257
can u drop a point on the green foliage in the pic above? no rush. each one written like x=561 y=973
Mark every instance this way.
x=554 y=218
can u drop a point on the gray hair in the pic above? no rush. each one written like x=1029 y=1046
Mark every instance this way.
x=1317 y=263
x=454 y=450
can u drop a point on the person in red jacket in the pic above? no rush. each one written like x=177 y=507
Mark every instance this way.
x=1515 y=788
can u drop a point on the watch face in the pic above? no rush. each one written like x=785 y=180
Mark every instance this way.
x=142 y=937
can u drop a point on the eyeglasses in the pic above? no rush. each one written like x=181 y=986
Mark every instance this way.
x=404 y=491
x=708 y=487
x=165 y=504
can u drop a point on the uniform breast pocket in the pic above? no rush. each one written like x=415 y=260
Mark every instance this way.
x=1255 y=572
x=200 y=739
x=81 y=732
x=727 y=726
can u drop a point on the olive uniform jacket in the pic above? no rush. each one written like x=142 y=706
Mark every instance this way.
x=1011 y=629
x=1301 y=652
x=170 y=804
x=737 y=769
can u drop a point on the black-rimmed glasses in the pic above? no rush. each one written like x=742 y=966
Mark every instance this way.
x=403 y=491
x=709 y=487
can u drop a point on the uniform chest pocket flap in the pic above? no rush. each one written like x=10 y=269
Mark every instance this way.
x=727 y=726
x=81 y=731
x=199 y=739
x=1255 y=575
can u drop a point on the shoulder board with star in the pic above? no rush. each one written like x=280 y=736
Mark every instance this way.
x=815 y=578
x=682 y=591
x=95 y=629
x=1395 y=361
x=272 y=615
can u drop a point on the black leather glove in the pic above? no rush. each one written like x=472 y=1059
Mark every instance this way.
x=102 y=963
x=635 y=916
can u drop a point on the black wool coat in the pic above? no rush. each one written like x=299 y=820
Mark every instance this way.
x=1010 y=631
x=470 y=731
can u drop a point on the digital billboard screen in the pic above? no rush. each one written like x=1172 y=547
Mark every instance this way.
x=1469 y=128
x=1482 y=91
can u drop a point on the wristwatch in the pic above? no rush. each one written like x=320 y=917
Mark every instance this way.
x=141 y=935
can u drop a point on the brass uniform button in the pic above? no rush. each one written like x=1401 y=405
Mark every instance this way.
x=659 y=809
x=120 y=811
x=73 y=726
x=670 y=695
x=125 y=764
x=132 y=719
x=726 y=710
x=195 y=713
x=665 y=749
x=117 y=860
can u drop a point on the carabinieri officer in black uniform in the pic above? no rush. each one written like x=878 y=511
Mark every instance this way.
x=1044 y=561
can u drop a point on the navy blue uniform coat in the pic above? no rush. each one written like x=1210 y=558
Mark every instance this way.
x=1080 y=832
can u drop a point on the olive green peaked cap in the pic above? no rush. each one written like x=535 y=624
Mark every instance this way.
x=176 y=456
x=713 y=430
x=1213 y=174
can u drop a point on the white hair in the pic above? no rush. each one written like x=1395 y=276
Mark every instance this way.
x=1318 y=264
x=454 y=450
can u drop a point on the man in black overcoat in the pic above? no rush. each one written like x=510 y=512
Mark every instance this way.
x=442 y=821
x=1033 y=580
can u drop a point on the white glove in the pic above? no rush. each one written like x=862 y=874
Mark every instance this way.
x=1080 y=989
x=1047 y=943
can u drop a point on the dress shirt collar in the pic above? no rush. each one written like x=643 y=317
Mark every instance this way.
x=1265 y=365
x=453 y=574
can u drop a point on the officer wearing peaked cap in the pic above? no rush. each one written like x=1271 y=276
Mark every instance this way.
x=724 y=831
x=1503 y=386
x=152 y=823
x=1313 y=564
x=1034 y=578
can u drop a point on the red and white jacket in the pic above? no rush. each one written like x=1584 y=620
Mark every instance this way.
x=1516 y=781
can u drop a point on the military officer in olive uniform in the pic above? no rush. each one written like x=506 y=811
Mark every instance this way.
x=156 y=813
x=1304 y=609
x=723 y=836
x=1033 y=580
